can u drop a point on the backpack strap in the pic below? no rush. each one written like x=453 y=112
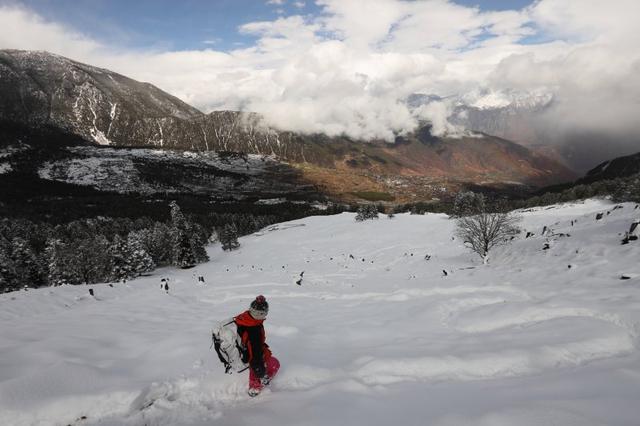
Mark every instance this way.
x=219 y=351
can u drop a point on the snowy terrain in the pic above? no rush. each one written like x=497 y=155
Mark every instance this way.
x=375 y=335
x=132 y=171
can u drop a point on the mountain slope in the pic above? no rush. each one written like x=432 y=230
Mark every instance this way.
x=616 y=168
x=528 y=119
x=107 y=108
x=49 y=174
x=377 y=338
x=42 y=88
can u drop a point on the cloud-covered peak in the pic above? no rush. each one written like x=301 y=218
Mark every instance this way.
x=350 y=67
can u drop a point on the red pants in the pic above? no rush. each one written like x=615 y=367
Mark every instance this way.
x=272 y=364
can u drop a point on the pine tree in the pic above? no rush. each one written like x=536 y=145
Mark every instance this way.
x=158 y=242
x=25 y=265
x=55 y=259
x=139 y=260
x=120 y=256
x=183 y=255
x=88 y=256
x=8 y=281
x=187 y=240
x=367 y=212
x=229 y=237
x=178 y=220
x=198 y=242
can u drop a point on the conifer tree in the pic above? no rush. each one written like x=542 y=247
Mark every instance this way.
x=158 y=242
x=121 y=266
x=55 y=259
x=187 y=248
x=185 y=256
x=229 y=237
x=198 y=242
x=367 y=212
x=8 y=281
x=24 y=264
x=139 y=260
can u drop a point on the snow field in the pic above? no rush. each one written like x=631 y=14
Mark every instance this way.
x=375 y=334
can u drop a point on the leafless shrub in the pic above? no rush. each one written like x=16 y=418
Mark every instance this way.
x=484 y=231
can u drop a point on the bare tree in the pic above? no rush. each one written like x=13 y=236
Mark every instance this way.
x=483 y=231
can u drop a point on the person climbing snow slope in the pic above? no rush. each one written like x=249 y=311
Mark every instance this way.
x=263 y=365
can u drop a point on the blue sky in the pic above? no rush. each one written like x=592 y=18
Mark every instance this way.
x=184 y=24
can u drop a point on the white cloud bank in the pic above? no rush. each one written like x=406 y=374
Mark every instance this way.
x=350 y=69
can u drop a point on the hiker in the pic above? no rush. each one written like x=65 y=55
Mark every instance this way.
x=262 y=365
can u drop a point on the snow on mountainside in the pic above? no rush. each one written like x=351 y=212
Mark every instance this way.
x=527 y=118
x=508 y=114
x=148 y=171
x=38 y=89
x=375 y=335
x=98 y=104
x=512 y=99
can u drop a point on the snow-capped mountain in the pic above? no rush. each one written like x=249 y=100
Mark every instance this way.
x=508 y=114
x=525 y=118
x=514 y=100
x=100 y=105
x=103 y=107
x=487 y=99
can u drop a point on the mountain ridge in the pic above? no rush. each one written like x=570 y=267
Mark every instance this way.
x=110 y=109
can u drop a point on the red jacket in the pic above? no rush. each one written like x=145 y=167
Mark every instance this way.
x=251 y=332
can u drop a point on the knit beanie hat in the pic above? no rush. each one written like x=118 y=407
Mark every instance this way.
x=259 y=308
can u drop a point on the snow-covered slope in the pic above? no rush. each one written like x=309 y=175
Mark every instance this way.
x=147 y=171
x=375 y=335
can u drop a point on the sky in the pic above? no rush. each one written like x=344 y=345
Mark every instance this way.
x=348 y=66
x=188 y=24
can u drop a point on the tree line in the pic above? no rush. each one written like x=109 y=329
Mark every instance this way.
x=95 y=250
x=107 y=249
x=623 y=189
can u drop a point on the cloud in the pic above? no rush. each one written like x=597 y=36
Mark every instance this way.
x=347 y=70
x=23 y=29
